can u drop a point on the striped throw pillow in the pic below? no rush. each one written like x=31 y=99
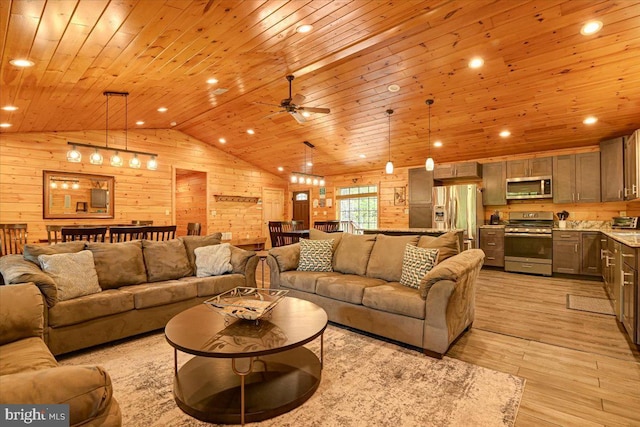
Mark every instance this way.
x=415 y=264
x=315 y=255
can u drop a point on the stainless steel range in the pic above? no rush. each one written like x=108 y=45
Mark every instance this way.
x=528 y=243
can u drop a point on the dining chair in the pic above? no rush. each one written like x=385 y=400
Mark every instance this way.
x=13 y=238
x=327 y=226
x=194 y=229
x=138 y=222
x=275 y=233
x=127 y=233
x=53 y=234
x=90 y=234
x=161 y=232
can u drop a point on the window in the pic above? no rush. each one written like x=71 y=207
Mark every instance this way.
x=360 y=205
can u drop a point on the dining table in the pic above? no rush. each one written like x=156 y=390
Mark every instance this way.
x=294 y=236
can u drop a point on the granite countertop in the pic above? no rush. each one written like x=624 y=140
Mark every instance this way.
x=492 y=226
x=628 y=237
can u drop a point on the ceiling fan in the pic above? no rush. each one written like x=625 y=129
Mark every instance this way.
x=292 y=105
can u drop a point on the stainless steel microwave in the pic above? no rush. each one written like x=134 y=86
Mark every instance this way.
x=529 y=188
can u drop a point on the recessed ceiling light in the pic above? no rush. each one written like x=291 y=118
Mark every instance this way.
x=393 y=88
x=251 y=131
x=9 y=108
x=163 y=109
x=173 y=123
x=309 y=164
x=139 y=122
x=5 y=125
x=437 y=144
x=591 y=27
x=280 y=168
x=222 y=141
x=212 y=81
x=590 y=120
x=505 y=133
x=21 y=63
x=304 y=28
x=476 y=62
x=362 y=156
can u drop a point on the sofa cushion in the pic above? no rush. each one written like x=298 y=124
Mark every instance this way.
x=214 y=285
x=386 y=257
x=448 y=243
x=118 y=264
x=77 y=310
x=16 y=269
x=160 y=293
x=165 y=260
x=315 y=255
x=352 y=254
x=315 y=234
x=395 y=298
x=193 y=242
x=416 y=263
x=287 y=256
x=74 y=273
x=345 y=287
x=239 y=259
x=32 y=252
x=303 y=280
x=28 y=354
x=213 y=260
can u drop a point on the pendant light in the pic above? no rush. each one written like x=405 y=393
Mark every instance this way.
x=389 y=167
x=429 y=164
x=74 y=155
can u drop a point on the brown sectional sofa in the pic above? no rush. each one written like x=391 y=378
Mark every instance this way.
x=29 y=374
x=144 y=284
x=363 y=290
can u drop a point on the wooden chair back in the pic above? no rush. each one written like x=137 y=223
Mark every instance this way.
x=275 y=233
x=292 y=225
x=13 y=237
x=53 y=234
x=327 y=226
x=90 y=234
x=127 y=233
x=138 y=222
x=161 y=232
x=193 y=229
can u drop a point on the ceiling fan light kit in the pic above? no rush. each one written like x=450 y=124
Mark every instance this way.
x=429 y=164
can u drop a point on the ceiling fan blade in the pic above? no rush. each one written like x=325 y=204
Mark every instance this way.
x=299 y=117
x=266 y=103
x=273 y=114
x=297 y=99
x=315 y=110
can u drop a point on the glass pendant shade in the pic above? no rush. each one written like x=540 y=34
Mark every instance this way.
x=75 y=186
x=96 y=158
x=389 y=167
x=65 y=186
x=134 y=162
x=152 y=163
x=429 y=164
x=116 y=160
x=308 y=181
x=322 y=182
x=74 y=155
x=315 y=181
x=294 y=179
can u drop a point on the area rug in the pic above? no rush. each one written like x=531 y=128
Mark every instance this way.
x=365 y=382
x=593 y=305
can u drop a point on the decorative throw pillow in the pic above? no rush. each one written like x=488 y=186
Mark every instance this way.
x=16 y=269
x=193 y=242
x=75 y=274
x=213 y=260
x=315 y=255
x=448 y=243
x=118 y=264
x=415 y=264
x=165 y=260
x=32 y=252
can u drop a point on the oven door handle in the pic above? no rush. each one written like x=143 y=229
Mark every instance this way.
x=546 y=236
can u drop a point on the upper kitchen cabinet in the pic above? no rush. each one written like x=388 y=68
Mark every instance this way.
x=530 y=167
x=420 y=186
x=632 y=166
x=612 y=170
x=576 y=178
x=458 y=171
x=494 y=183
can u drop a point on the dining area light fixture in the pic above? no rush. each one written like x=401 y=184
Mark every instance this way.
x=429 y=164
x=307 y=177
x=116 y=159
x=389 y=166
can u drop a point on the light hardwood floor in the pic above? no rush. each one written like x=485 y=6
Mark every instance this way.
x=580 y=368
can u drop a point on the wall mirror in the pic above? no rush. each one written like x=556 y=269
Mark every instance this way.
x=77 y=195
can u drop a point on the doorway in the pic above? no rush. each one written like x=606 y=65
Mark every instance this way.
x=191 y=200
x=301 y=208
x=272 y=209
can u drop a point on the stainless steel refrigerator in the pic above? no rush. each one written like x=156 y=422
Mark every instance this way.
x=458 y=207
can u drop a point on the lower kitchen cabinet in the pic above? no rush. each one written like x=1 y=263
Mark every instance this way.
x=629 y=291
x=492 y=243
x=577 y=252
x=590 y=253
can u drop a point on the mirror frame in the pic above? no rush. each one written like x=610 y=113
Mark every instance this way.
x=47 y=214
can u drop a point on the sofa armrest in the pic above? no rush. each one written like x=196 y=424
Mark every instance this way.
x=21 y=312
x=86 y=389
x=282 y=258
x=244 y=262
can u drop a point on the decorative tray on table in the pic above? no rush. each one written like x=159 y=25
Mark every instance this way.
x=246 y=303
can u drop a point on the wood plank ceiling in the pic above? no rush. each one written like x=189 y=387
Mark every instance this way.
x=540 y=77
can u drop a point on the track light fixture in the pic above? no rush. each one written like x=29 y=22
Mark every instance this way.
x=305 y=177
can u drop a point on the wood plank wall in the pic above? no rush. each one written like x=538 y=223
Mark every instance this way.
x=139 y=194
x=191 y=192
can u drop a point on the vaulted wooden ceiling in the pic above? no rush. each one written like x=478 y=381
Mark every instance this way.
x=540 y=78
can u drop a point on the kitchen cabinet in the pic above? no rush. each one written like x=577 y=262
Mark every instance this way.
x=612 y=170
x=628 y=292
x=492 y=243
x=494 y=183
x=458 y=170
x=566 y=252
x=590 y=253
x=420 y=190
x=530 y=167
x=576 y=178
x=632 y=166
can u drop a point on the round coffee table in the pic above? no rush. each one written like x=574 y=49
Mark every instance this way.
x=246 y=371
